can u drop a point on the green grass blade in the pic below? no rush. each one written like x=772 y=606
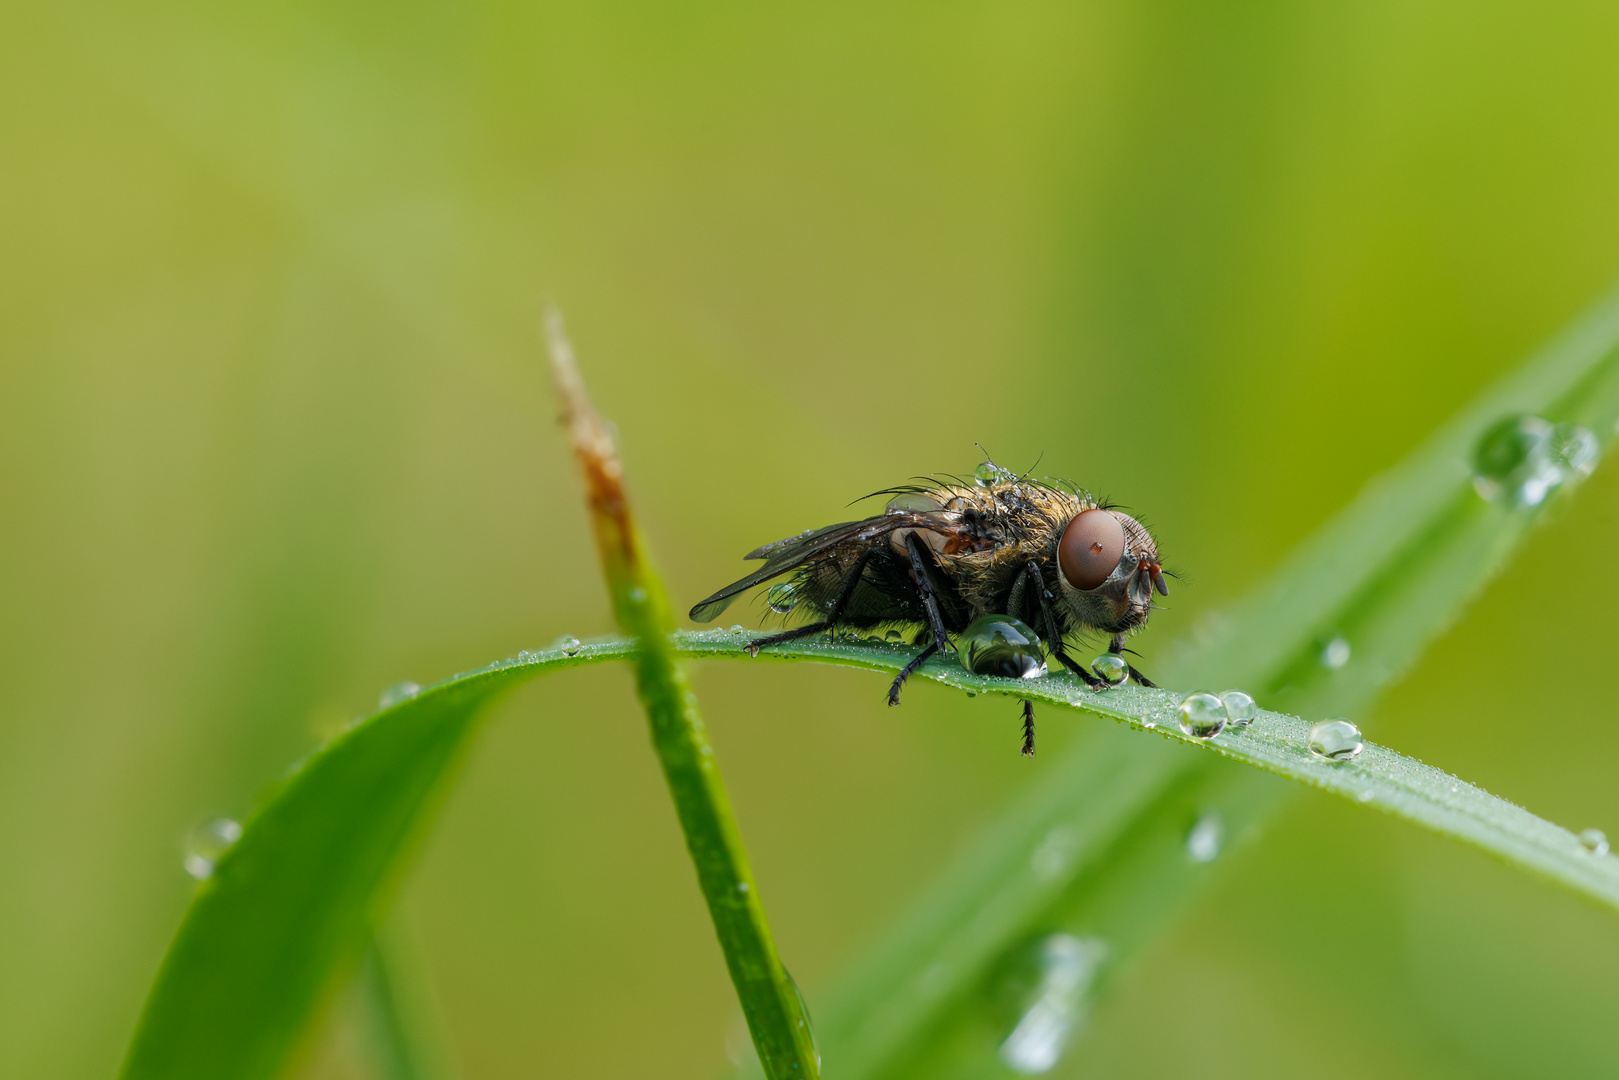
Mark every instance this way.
x=291 y=903
x=775 y=1012
x=390 y=1000
x=1388 y=574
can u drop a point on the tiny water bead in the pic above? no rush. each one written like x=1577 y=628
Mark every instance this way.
x=207 y=843
x=803 y=1020
x=1048 y=990
x=1111 y=668
x=1204 y=839
x=782 y=597
x=566 y=643
x=1574 y=449
x=1522 y=458
x=893 y=637
x=1240 y=708
x=399 y=691
x=1335 y=740
x=1001 y=645
x=1335 y=654
x=525 y=655
x=736 y=628
x=1595 y=841
x=1202 y=716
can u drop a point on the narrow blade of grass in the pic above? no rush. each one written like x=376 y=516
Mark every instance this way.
x=290 y=903
x=389 y=996
x=770 y=1002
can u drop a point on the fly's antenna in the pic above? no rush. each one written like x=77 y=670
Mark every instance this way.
x=987 y=455
x=1033 y=467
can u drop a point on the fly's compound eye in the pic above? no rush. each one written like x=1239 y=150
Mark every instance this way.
x=1090 y=548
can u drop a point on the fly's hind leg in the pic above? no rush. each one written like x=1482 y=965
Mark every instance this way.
x=1054 y=639
x=1028 y=728
x=833 y=613
x=1116 y=647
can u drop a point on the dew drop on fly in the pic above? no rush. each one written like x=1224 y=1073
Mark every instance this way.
x=1202 y=716
x=207 y=844
x=989 y=473
x=399 y=691
x=1240 y=708
x=1001 y=645
x=1335 y=740
x=1111 y=668
x=782 y=597
x=1045 y=992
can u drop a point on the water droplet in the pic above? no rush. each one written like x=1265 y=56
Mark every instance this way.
x=1111 y=668
x=207 y=843
x=1595 y=841
x=1366 y=796
x=893 y=637
x=1001 y=645
x=566 y=643
x=1205 y=838
x=1055 y=854
x=736 y=628
x=636 y=595
x=1335 y=654
x=399 y=691
x=782 y=597
x=742 y=887
x=1335 y=740
x=1202 y=716
x=989 y=473
x=1574 y=449
x=1048 y=990
x=802 y=1020
x=524 y=655
x=1523 y=458
x=1239 y=707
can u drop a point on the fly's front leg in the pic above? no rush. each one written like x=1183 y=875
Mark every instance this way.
x=1116 y=646
x=1054 y=638
x=1028 y=728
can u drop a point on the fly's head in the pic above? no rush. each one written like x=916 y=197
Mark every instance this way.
x=1109 y=568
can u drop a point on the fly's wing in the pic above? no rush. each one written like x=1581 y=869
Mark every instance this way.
x=787 y=555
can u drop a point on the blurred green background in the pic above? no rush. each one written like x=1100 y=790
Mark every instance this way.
x=275 y=433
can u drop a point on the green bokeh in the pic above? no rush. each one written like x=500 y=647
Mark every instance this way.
x=275 y=433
